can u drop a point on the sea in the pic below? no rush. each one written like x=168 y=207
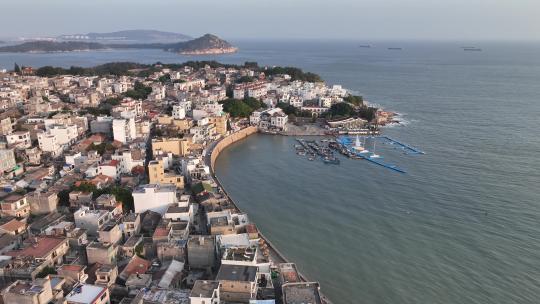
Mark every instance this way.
x=462 y=225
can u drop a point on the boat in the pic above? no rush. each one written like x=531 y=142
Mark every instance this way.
x=331 y=161
x=358 y=146
x=473 y=49
x=365 y=150
x=365 y=46
x=395 y=49
x=373 y=154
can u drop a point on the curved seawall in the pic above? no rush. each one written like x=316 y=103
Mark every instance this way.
x=216 y=149
x=225 y=142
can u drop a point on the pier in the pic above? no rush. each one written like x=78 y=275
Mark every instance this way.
x=407 y=148
x=346 y=144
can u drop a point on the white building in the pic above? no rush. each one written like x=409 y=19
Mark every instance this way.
x=154 y=197
x=124 y=130
x=19 y=139
x=88 y=294
x=270 y=118
x=91 y=220
x=110 y=169
x=279 y=120
x=75 y=159
x=179 y=111
x=7 y=160
x=127 y=160
x=48 y=143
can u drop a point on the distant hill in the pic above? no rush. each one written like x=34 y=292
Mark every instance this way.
x=207 y=44
x=128 y=36
x=52 y=46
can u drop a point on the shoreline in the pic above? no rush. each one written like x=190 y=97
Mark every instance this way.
x=210 y=159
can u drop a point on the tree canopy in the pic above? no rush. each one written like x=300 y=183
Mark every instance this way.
x=139 y=91
x=355 y=100
x=242 y=108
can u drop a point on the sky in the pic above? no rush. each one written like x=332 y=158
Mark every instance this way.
x=457 y=20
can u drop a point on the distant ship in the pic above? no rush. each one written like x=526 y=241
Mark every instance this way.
x=472 y=49
x=395 y=48
x=365 y=46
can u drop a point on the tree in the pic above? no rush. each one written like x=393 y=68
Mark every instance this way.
x=367 y=113
x=254 y=103
x=63 y=198
x=140 y=91
x=124 y=196
x=341 y=109
x=17 y=68
x=237 y=108
x=245 y=79
x=288 y=109
x=165 y=78
x=46 y=271
x=355 y=100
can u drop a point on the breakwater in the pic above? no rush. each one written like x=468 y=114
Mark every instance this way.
x=212 y=155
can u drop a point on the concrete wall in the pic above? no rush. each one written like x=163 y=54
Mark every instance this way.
x=224 y=143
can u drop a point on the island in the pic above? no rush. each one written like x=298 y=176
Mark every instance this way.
x=207 y=44
x=52 y=47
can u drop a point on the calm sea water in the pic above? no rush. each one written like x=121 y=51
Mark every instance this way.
x=462 y=226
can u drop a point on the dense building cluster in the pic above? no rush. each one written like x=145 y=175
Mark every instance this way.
x=108 y=196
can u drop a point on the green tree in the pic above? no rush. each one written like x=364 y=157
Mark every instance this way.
x=288 y=109
x=341 y=109
x=237 y=108
x=139 y=91
x=355 y=100
x=254 y=103
x=46 y=271
x=245 y=79
x=17 y=68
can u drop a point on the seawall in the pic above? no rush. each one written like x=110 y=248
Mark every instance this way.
x=225 y=142
x=215 y=150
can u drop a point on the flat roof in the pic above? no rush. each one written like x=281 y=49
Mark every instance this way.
x=237 y=273
x=85 y=293
x=301 y=293
x=204 y=289
x=39 y=249
x=245 y=254
x=164 y=296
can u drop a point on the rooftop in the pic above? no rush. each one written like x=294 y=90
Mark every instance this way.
x=164 y=296
x=176 y=209
x=73 y=267
x=237 y=273
x=155 y=187
x=137 y=265
x=301 y=293
x=85 y=293
x=240 y=254
x=204 y=289
x=39 y=248
x=25 y=288
x=288 y=272
x=13 y=226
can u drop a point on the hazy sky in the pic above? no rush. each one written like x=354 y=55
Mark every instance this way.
x=357 y=19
